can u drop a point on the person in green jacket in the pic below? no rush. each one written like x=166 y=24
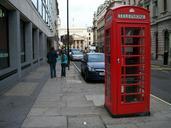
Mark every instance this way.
x=64 y=61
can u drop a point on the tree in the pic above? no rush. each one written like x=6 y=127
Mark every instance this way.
x=64 y=39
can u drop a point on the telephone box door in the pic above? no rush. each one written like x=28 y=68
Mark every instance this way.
x=133 y=83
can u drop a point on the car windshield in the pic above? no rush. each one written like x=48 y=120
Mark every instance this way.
x=77 y=53
x=96 y=58
x=74 y=50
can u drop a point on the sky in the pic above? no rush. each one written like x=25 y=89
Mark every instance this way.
x=80 y=12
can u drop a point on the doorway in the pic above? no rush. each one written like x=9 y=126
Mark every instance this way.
x=166 y=48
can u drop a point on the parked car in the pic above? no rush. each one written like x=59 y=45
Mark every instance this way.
x=76 y=55
x=92 y=66
x=72 y=50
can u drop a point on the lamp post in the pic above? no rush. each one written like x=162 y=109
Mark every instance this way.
x=68 y=33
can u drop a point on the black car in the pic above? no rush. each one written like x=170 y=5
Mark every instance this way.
x=92 y=66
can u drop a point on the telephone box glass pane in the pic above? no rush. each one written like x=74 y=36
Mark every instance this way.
x=133 y=89
x=134 y=60
x=133 y=50
x=132 y=70
x=133 y=79
x=134 y=41
x=107 y=62
x=134 y=98
x=134 y=31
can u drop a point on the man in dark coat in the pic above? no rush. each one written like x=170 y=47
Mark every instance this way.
x=52 y=59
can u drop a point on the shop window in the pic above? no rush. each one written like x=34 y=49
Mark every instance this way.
x=22 y=42
x=33 y=43
x=4 y=50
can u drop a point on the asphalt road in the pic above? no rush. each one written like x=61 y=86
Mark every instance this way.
x=160 y=83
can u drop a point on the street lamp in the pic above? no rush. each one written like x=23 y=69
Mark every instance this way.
x=68 y=33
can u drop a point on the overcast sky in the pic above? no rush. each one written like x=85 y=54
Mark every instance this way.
x=80 y=12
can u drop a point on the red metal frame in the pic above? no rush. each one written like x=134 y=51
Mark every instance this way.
x=127 y=60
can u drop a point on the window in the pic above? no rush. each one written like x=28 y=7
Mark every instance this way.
x=156 y=41
x=46 y=18
x=22 y=42
x=96 y=58
x=165 y=5
x=35 y=3
x=4 y=50
x=46 y=1
x=133 y=69
x=40 y=7
x=155 y=8
x=148 y=7
x=33 y=43
x=107 y=61
x=166 y=40
x=44 y=13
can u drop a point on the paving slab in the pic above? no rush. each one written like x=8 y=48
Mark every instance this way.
x=45 y=122
x=85 y=122
x=22 y=89
x=98 y=100
x=34 y=75
x=73 y=103
x=45 y=112
x=122 y=126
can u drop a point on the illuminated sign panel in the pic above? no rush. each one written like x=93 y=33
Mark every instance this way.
x=131 y=16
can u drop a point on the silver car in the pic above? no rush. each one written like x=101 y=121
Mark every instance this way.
x=76 y=55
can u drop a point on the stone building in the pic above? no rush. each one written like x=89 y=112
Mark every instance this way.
x=160 y=28
x=27 y=29
x=98 y=22
x=82 y=37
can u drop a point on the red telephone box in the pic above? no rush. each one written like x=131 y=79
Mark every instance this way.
x=127 y=61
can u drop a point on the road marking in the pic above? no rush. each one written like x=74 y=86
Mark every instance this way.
x=76 y=67
x=151 y=94
x=161 y=100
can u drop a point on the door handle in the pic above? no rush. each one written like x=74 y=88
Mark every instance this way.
x=118 y=61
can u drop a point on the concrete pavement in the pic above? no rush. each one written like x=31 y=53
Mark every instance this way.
x=16 y=103
x=72 y=103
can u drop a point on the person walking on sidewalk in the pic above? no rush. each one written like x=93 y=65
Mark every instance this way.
x=52 y=59
x=64 y=61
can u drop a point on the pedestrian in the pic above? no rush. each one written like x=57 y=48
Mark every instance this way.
x=52 y=59
x=64 y=61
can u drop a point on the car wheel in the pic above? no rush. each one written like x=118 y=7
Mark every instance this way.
x=86 y=76
x=82 y=72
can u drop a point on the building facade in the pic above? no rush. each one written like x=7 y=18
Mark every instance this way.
x=82 y=37
x=98 y=22
x=78 y=42
x=160 y=12
x=161 y=31
x=27 y=28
